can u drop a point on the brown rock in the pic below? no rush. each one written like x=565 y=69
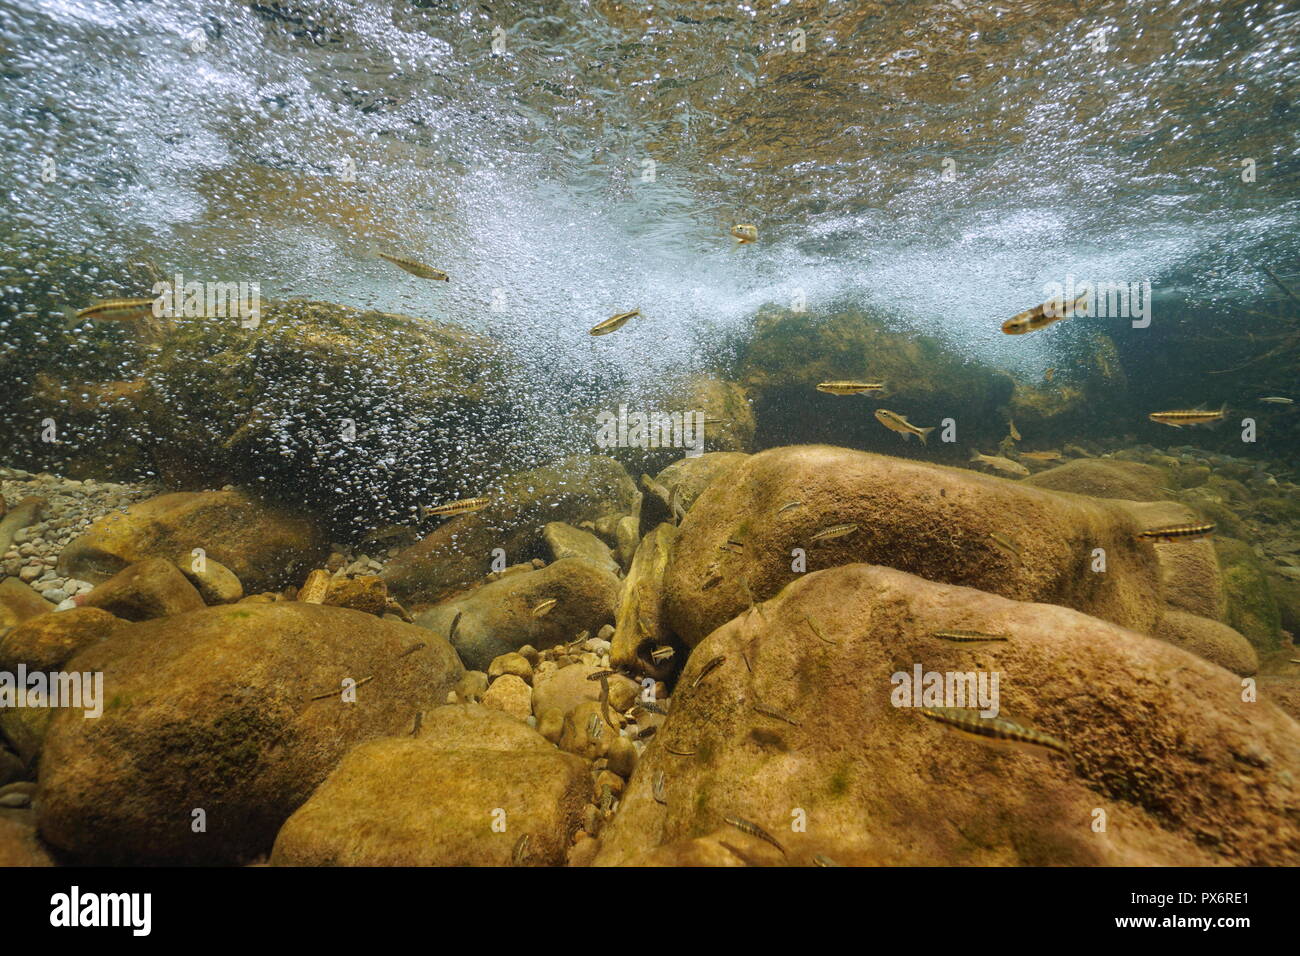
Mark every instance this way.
x=237 y=710
x=19 y=602
x=215 y=582
x=1209 y=639
x=1156 y=736
x=564 y=689
x=145 y=590
x=366 y=593
x=19 y=845
x=1104 y=478
x=510 y=695
x=640 y=625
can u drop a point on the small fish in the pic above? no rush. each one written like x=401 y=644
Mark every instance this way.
x=418 y=269
x=1278 y=400
x=822 y=860
x=594 y=727
x=117 y=310
x=1015 y=435
x=1047 y=376
x=834 y=531
x=1182 y=532
x=606 y=800
x=816 y=630
x=788 y=506
x=735 y=547
x=708 y=668
x=1192 y=416
x=455 y=623
x=1000 y=463
x=679 y=753
x=1006 y=544
x=969 y=637
x=1041 y=455
x=754 y=830
x=545 y=607
x=463 y=507
x=419 y=720
x=850 y=388
x=658 y=787
x=615 y=322
x=651 y=707
x=968 y=723
x=521 y=848
x=773 y=712
x=1041 y=316
x=745 y=233
x=897 y=423
x=662 y=654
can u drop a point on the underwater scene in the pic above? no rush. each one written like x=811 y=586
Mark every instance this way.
x=789 y=433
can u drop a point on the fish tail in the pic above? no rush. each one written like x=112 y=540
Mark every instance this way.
x=974 y=456
x=925 y=432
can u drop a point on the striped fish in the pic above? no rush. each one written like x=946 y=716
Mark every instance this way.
x=969 y=637
x=418 y=269
x=1041 y=316
x=1191 y=416
x=463 y=507
x=850 y=388
x=118 y=310
x=1182 y=532
x=968 y=723
x=834 y=531
x=615 y=322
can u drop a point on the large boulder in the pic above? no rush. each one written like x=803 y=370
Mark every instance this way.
x=465 y=792
x=1105 y=478
x=640 y=625
x=147 y=589
x=19 y=602
x=461 y=550
x=945 y=524
x=801 y=725
x=1248 y=599
x=1209 y=639
x=565 y=541
x=503 y=616
x=238 y=711
x=690 y=476
x=265 y=546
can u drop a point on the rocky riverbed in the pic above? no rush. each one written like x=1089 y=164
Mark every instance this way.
x=681 y=669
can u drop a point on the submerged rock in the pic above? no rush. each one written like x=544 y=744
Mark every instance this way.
x=744 y=536
x=238 y=711
x=1105 y=478
x=1209 y=639
x=19 y=845
x=566 y=541
x=640 y=626
x=466 y=792
x=1250 y=607
x=503 y=616
x=461 y=551
x=263 y=545
x=147 y=589
x=213 y=580
x=1156 y=736
x=19 y=602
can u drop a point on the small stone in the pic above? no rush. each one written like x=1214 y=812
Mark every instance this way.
x=511 y=695
x=622 y=757
x=472 y=686
x=512 y=663
x=551 y=724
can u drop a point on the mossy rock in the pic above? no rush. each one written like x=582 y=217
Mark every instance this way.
x=1286 y=593
x=1251 y=607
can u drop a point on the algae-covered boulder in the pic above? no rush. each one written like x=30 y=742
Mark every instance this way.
x=1250 y=607
x=444 y=798
x=354 y=414
x=237 y=711
x=690 y=476
x=640 y=625
x=1104 y=478
x=565 y=541
x=729 y=418
x=788 y=353
x=784 y=509
x=147 y=589
x=813 y=736
x=461 y=550
x=19 y=602
x=1210 y=639
x=515 y=611
x=265 y=546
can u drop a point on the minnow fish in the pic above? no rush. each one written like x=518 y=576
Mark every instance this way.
x=788 y=506
x=822 y=860
x=968 y=723
x=1006 y=544
x=834 y=531
x=1192 y=416
x=662 y=654
x=850 y=388
x=708 y=668
x=773 y=712
x=1041 y=455
x=816 y=630
x=734 y=547
x=657 y=787
x=1047 y=376
x=117 y=310
x=969 y=637
x=1278 y=400
x=463 y=507
x=417 y=269
x=897 y=423
x=1182 y=532
x=679 y=753
x=745 y=232
x=614 y=322
x=594 y=727
x=521 y=848
x=1041 y=316
x=653 y=708
x=1015 y=435
x=754 y=830
x=455 y=623
x=603 y=677
x=1000 y=463
x=545 y=607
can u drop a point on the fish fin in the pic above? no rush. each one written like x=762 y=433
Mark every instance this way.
x=974 y=456
x=70 y=320
x=925 y=432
